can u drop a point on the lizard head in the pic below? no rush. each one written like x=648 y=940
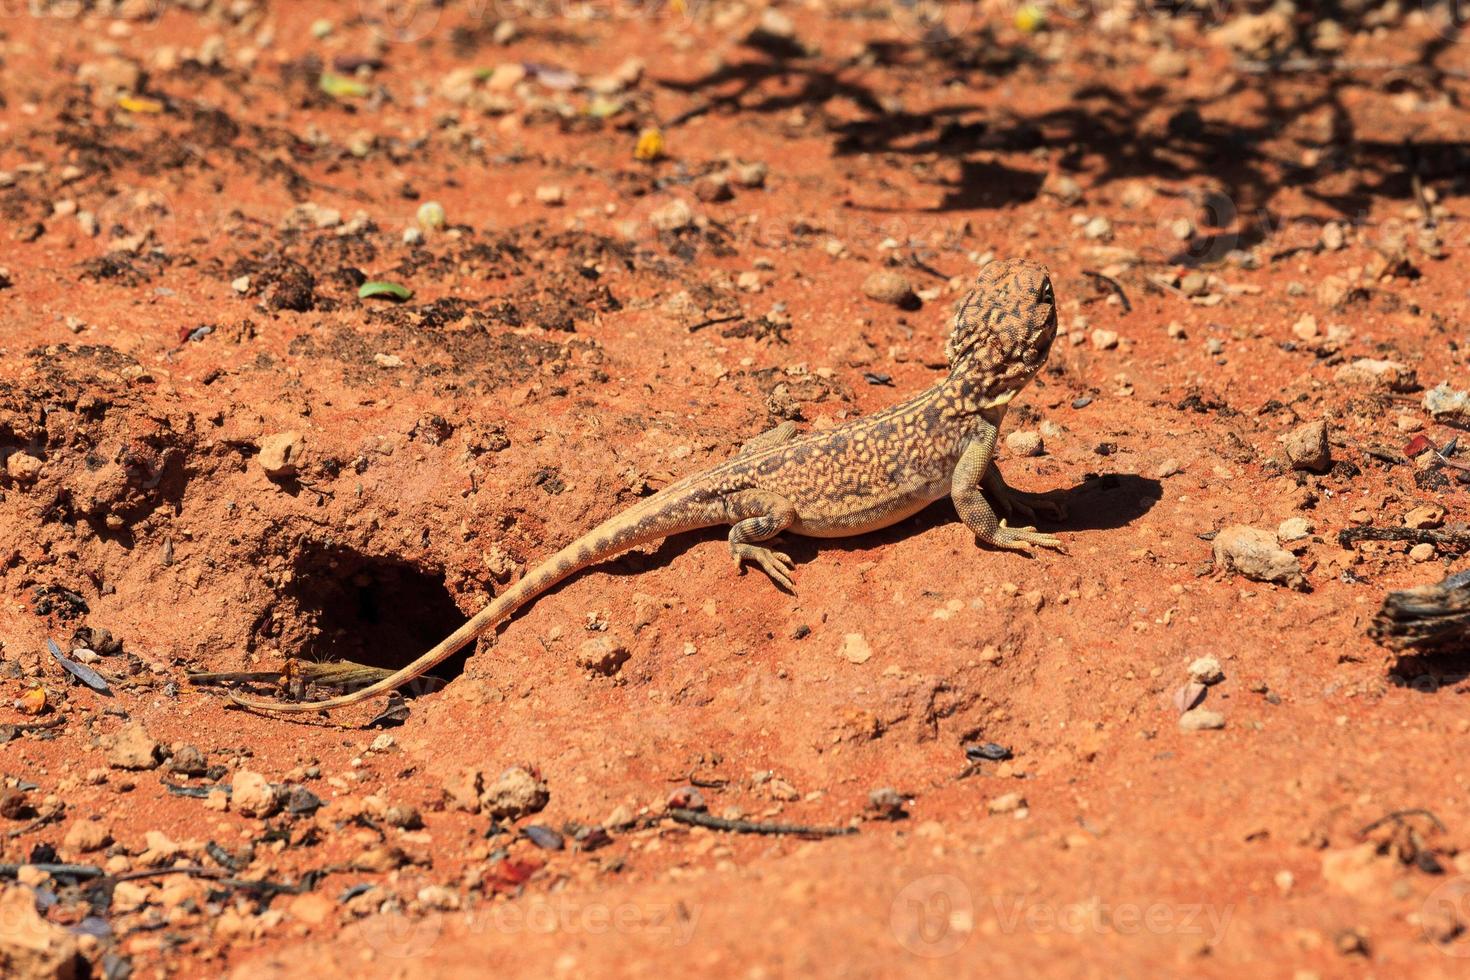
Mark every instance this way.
x=1004 y=328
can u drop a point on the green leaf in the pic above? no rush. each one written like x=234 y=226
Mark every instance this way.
x=340 y=87
x=390 y=290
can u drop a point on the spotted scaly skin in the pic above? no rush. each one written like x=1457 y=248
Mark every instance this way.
x=861 y=476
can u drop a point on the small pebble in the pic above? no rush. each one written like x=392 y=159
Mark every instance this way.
x=674 y=216
x=1307 y=447
x=430 y=215
x=1423 y=551
x=23 y=467
x=1293 y=529
x=544 y=837
x=988 y=752
x=1201 y=720
x=1007 y=803
x=886 y=804
x=749 y=174
x=1194 y=284
x=1425 y=517
x=1099 y=229
x=1369 y=372
x=1023 y=442
x=687 y=798
x=856 y=649
x=887 y=286
x=1255 y=554
x=1104 y=339
x=713 y=189
x=280 y=454
x=1206 y=670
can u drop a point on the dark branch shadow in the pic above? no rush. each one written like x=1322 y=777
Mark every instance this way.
x=1099 y=127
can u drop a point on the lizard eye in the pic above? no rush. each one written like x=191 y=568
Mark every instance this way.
x=1045 y=296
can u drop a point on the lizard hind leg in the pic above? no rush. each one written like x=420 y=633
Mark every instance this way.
x=782 y=433
x=760 y=516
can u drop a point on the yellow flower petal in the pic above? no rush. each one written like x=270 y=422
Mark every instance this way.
x=650 y=144
x=135 y=103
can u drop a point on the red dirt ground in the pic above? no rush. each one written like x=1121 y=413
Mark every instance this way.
x=557 y=361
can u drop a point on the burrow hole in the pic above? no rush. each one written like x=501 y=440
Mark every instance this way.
x=372 y=610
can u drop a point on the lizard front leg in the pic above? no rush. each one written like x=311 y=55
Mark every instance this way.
x=976 y=511
x=1020 y=503
x=759 y=515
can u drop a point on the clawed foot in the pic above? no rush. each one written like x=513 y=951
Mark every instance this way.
x=776 y=564
x=1023 y=538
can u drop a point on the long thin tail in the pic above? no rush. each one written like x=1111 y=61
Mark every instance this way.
x=637 y=525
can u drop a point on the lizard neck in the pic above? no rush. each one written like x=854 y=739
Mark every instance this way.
x=966 y=399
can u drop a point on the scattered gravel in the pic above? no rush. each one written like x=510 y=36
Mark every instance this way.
x=1007 y=803
x=133 y=748
x=856 y=649
x=1293 y=529
x=517 y=792
x=1367 y=372
x=252 y=795
x=1255 y=554
x=602 y=655
x=1307 y=448
x=1024 y=442
x=1206 y=670
x=22 y=467
x=86 y=835
x=430 y=216
x=1447 y=404
x=280 y=454
x=673 y=216
x=888 y=286
x=886 y=804
x=1201 y=720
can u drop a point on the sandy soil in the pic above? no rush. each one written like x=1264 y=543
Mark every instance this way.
x=189 y=213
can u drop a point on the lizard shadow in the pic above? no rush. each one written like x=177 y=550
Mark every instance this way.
x=1099 y=503
x=1102 y=501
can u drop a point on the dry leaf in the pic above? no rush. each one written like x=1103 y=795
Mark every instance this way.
x=1188 y=696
